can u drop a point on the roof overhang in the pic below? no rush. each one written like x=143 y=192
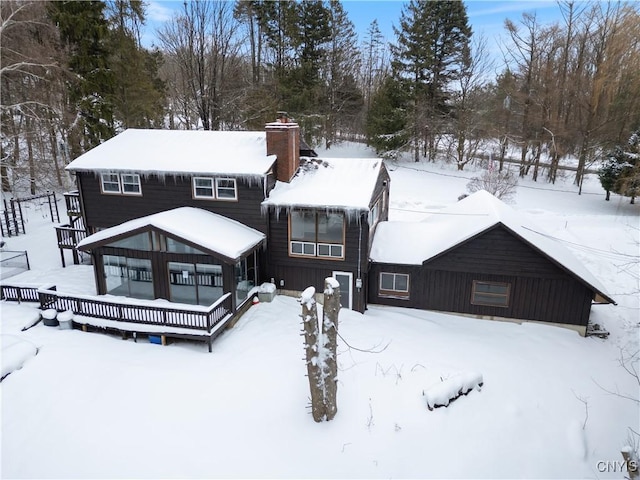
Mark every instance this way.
x=208 y=232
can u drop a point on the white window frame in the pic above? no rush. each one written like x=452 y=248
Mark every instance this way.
x=218 y=188
x=302 y=245
x=110 y=182
x=374 y=213
x=350 y=275
x=336 y=251
x=134 y=176
x=332 y=247
x=394 y=292
x=195 y=191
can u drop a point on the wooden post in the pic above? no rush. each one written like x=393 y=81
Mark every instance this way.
x=330 y=347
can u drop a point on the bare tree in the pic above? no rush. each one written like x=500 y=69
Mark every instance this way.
x=203 y=43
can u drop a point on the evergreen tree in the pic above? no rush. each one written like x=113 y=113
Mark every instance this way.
x=84 y=29
x=386 y=125
x=620 y=172
x=138 y=95
x=431 y=41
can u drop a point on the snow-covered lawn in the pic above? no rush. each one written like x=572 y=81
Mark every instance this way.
x=93 y=405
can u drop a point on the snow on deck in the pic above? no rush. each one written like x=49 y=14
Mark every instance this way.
x=412 y=243
x=209 y=230
x=332 y=183
x=180 y=152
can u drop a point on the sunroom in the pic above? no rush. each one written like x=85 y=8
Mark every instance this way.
x=186 y=255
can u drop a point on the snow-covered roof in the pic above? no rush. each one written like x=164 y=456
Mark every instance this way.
x=168 y=152
x=333 y=183
x=209 y=230
x=413 y=243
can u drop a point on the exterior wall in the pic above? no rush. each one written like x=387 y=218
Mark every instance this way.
x=159 y=194
x=540 y=290
x=299 y=273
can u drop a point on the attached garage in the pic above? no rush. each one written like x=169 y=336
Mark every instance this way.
x=479 y=258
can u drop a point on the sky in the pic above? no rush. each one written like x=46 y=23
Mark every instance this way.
x=486 y=17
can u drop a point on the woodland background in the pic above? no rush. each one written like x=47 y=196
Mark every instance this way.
x=74 y=73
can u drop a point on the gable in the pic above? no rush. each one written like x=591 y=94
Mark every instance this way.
x=211 y=233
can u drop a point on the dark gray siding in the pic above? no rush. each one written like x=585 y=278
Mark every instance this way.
x=540 y=290
x=299 y=273
x=159 y=194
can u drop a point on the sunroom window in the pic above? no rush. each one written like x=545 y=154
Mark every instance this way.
x=316 y=234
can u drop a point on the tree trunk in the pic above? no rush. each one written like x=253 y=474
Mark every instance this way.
x=310 y=325
x=330 y=347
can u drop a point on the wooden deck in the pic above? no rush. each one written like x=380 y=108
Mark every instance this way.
x=131 y=317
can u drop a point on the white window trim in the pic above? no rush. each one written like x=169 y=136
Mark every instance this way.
x=110 y=192
x=330 y=254
x=301 y=243
x=394 y=293
x=316 y=245
x=136 y=177
x=215 y=186
x=206 y=197
x=235 y=189
x=350 y=275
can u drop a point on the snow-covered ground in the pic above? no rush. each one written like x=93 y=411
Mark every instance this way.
x=91 y=405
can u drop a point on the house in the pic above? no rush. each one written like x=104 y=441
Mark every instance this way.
x=190 y=216
x=479 y=257
x=199 y=216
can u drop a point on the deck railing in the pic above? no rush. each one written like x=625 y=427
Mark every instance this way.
x=69 y=237
x=198 y=318
x=23 y=293
x=72 y=202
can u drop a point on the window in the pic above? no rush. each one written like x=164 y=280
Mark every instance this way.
x=195 y=284
x=125 y=183
x=131 y=184
x=226 y=189
x=374 y=214
x=203 y=187
x=129 y=277
x=110 y=183
x=215 y=188
x=492 y=294
x=395 y=285
x=316 y=234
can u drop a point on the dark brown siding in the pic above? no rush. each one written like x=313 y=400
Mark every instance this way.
x=299 y=273
x=540 y=290
x=160 y=194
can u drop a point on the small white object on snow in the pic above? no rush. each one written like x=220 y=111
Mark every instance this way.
x=267 y=287
x=441 y=394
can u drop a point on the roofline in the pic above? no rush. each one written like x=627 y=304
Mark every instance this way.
x=498 y=224
x=150 y=227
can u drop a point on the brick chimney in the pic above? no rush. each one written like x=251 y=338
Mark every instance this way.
x=283 y=141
